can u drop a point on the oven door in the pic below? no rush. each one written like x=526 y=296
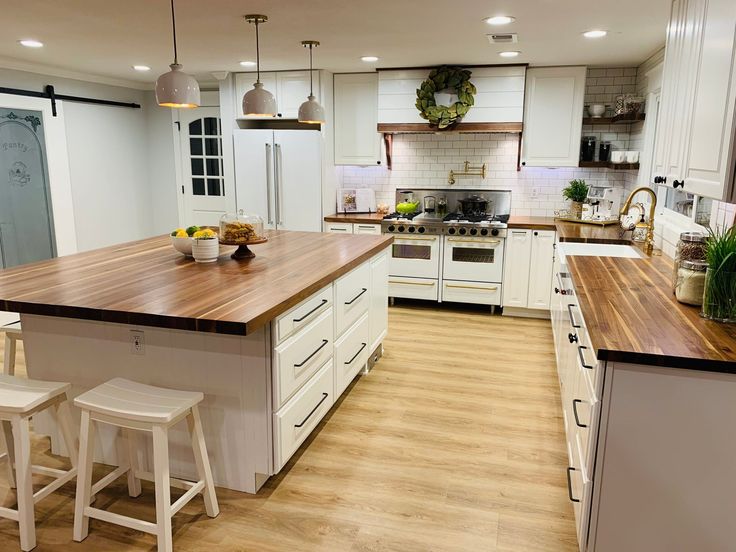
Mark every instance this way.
x=415 y=257
x=473 y=259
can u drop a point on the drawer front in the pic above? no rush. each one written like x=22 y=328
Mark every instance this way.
x=374 y=229
x=339 y=227
x=299 y=357
x=296 y=420
x=413 y=288
x=352 y=297
x=351 y=354
x=304 y=313
x=471 y=292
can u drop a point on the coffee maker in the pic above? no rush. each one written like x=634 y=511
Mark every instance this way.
x=605 y=202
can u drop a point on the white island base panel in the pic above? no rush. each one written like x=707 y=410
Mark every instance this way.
x=233 y=372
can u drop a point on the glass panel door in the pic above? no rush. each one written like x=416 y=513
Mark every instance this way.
x=26 y=225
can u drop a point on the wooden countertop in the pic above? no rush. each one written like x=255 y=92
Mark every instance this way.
x=357 y=218
x=632 y=316
x=533 y=223
x=148 y=283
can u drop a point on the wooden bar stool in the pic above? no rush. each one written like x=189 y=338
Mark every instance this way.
x=21 y=398
x=13 y=334
x=135 y=406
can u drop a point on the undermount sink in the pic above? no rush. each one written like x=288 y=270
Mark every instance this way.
x=601 y=250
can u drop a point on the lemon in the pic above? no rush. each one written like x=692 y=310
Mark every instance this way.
x=181 y=233
x=178 y=231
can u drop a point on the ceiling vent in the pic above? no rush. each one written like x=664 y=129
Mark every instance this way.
x=503 y=38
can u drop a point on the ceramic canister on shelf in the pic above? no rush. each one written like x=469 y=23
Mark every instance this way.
x=632 y=156
x=618 y=156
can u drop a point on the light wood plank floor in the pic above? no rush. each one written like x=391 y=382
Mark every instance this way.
x=454 y=442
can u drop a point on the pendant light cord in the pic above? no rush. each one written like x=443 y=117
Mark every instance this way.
x=173 y=28
x=311 y=92
x=258 y=55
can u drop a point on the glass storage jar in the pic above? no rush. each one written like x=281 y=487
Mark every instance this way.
x=691 y=282
x=240 y=228
x=690 y=247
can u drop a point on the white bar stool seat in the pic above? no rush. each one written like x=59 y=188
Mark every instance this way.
x=135 y=406
x=20 y=399
x=13 y=334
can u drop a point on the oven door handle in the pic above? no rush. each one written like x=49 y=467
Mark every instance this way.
x=479 y=241
x=411 y=238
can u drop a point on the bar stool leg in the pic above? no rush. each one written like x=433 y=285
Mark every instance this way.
x=63 y=418
x=9 y=355
x=163 y=491
x=84 y=477
x=24 y=478
x=131 y=451
x=204 y=471
x=8 y=438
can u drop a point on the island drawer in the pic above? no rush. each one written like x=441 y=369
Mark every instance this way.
x=352 y=297
x=296 y=420
x=299 y=357
x=351 y=354
x=302 y=314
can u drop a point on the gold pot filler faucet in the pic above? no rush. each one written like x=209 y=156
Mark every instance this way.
x=650 y=223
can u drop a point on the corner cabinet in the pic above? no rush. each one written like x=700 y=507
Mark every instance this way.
x=696 y=136
x=528 y=269
x=357 y=141
x=553 y=116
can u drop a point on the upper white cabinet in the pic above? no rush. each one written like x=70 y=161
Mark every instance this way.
x=695 y=135
x=500 y=96
x=357 y=141
x=553 y=116
x=291 y=89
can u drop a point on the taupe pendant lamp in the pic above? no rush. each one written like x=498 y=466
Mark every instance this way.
x=311 y=111
x=176 y=88
x=258 y=101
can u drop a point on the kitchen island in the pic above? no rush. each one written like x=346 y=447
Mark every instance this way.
x=271 y=341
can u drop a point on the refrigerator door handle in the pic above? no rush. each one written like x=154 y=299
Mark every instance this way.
x=269 y=179
x=279 y=175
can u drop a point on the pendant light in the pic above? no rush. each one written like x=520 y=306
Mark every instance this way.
x=311 y=111
x=259 y=101
x=176 y=88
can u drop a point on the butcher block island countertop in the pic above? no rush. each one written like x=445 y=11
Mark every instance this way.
x=148 y=283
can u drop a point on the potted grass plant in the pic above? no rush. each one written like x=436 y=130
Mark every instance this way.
x=719 y=298
x=577 y=192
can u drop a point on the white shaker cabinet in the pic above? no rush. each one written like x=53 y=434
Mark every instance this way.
x=378 y=309
x=553 y=116
x=348 y=228
x=290 y=88
x=357 y=141
x=528 y=269
x=540 y=276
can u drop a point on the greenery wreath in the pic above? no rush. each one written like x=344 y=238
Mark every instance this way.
x=443 y=78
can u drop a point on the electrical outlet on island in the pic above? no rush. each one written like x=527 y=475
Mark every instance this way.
x=137 y=342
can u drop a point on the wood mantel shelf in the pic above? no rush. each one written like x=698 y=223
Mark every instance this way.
x=395 y=128
x=148 y=283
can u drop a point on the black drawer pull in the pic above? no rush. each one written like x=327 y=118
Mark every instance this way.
x=304 y=421
x=572 y=320
x=324 y=302
x=363 y=346
x=569 y=485
x=575 y=412
x=303 y=362
x=354 y=299
x=573 y=338
x=582 y=357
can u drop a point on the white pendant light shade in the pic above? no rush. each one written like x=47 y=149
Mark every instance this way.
x=177 y=89
x=259 y=102
x=311 y=111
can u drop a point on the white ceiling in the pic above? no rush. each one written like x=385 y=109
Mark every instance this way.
x=105 y=38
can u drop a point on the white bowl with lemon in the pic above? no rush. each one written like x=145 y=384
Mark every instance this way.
x=181 y=239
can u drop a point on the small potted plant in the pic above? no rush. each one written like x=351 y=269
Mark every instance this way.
x=719 y=298
x=577 y=192
x=205 y=246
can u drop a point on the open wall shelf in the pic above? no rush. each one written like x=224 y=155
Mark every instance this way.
x=609 y=165
x=616 y=120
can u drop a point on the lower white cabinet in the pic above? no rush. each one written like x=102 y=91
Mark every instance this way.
x=528 y=268
x=351 y=354
x=379 y=300
x=348 y=228
x=373 y=229
x=352 y=297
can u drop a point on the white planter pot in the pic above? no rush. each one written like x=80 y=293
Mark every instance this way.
x=205 y=251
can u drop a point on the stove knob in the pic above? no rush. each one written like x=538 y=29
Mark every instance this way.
x=401 y=228
x=463 y=231
x=473 y=231
x=412 y=229
x=494 y=232
x=484 y=232
x=451 y=231
x=421 y=229
x=391 y=228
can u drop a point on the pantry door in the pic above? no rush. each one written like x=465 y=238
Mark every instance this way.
x=36 y=216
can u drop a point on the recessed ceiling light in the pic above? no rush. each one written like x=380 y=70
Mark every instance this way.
x=141 y=67
x=595 y=34
x=248 y=63
x=369 y=59
x=29 y=43
x=509 y=54
x=500 y=20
